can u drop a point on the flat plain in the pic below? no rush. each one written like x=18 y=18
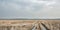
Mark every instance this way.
x=30 y=24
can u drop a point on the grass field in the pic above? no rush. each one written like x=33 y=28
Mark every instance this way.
x=30 y=24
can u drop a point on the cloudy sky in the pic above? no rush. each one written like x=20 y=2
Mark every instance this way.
x=30 y=9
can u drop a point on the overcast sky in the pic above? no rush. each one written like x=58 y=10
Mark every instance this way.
x=30 y=9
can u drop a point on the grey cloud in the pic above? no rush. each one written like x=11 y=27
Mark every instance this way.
x=29 y=8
